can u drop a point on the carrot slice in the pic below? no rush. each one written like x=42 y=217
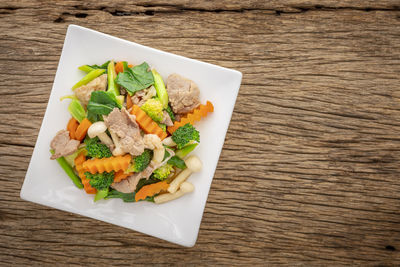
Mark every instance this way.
x=116 y=164
x=82 y=129
x=121 y=175
x=71 y=127
x=146 y=123
x=150 y=190
x=129 y=102
x=119 y=67
x=79 y=160
x=193 y=116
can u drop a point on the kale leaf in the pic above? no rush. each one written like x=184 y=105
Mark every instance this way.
x=100 y=103
x=135 y=79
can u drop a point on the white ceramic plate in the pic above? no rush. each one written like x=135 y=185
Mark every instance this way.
x=177 y=221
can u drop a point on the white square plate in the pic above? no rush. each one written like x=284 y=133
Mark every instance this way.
x=177 y=221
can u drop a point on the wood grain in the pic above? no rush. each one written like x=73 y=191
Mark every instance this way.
x=309 y=173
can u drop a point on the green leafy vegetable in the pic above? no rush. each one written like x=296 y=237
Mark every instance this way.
x=76 y=110
x=101 y=194
x=69 y=171
x=154 y=109
x=163 y=172
x=184 y=134
x=166 y=154
x=185 y=150
x=88 y=68
x=113 y=88
x=136 y=78
x=89 y=77
x=126 y=197
x=95 y=149
x=160 y=88
x=85 y=68
x=140 y=162
x=100 y=181
x=100 y=103
x=170 y=113
x=177 y=162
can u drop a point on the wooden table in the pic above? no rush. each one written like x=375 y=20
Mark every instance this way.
x=309 y=173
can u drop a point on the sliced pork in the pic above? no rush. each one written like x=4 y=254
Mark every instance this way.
x=63 y=145
x=183 y=94
x=125 y=127
x=98 y=84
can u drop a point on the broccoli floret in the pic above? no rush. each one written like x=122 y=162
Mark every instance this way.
x=95 y=149
x=154 y=109
x=163 y=172
x=140 y=162
x=100 y=181
x=184 y=134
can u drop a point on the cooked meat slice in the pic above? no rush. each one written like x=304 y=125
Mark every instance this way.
x=83 y=93
x=63 y=145
x=125 y=127
x=129 y=184
x=183 y=94
x=167 y=119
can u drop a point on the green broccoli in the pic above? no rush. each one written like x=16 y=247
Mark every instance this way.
x=95 y=149
x=184 y=134
x=140 y=162
x=154 y=109
x=163 y=172
x=100 y=181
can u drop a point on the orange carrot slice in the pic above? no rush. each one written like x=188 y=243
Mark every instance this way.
x=193 y=116
x=121 y=175
x=118 y=163
x=146 y=123
x=71 y=127
x=129 y=102
x=82 y=129
x=79 y=160
x=119 y=67
x=150 y=190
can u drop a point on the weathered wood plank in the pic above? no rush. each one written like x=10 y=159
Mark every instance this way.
x=309 y=171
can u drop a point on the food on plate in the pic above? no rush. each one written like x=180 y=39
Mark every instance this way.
x=130 y=134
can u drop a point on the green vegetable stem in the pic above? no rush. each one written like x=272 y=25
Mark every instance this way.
x=88 y=78
x=160 y=88
x=101 y=194
x=89 y=68
x=86 y=68
x=185 y=150
x=76 y=110
x=113 y=87
x=69 y=171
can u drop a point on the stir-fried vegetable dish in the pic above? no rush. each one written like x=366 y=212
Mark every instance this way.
x=130 y=133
